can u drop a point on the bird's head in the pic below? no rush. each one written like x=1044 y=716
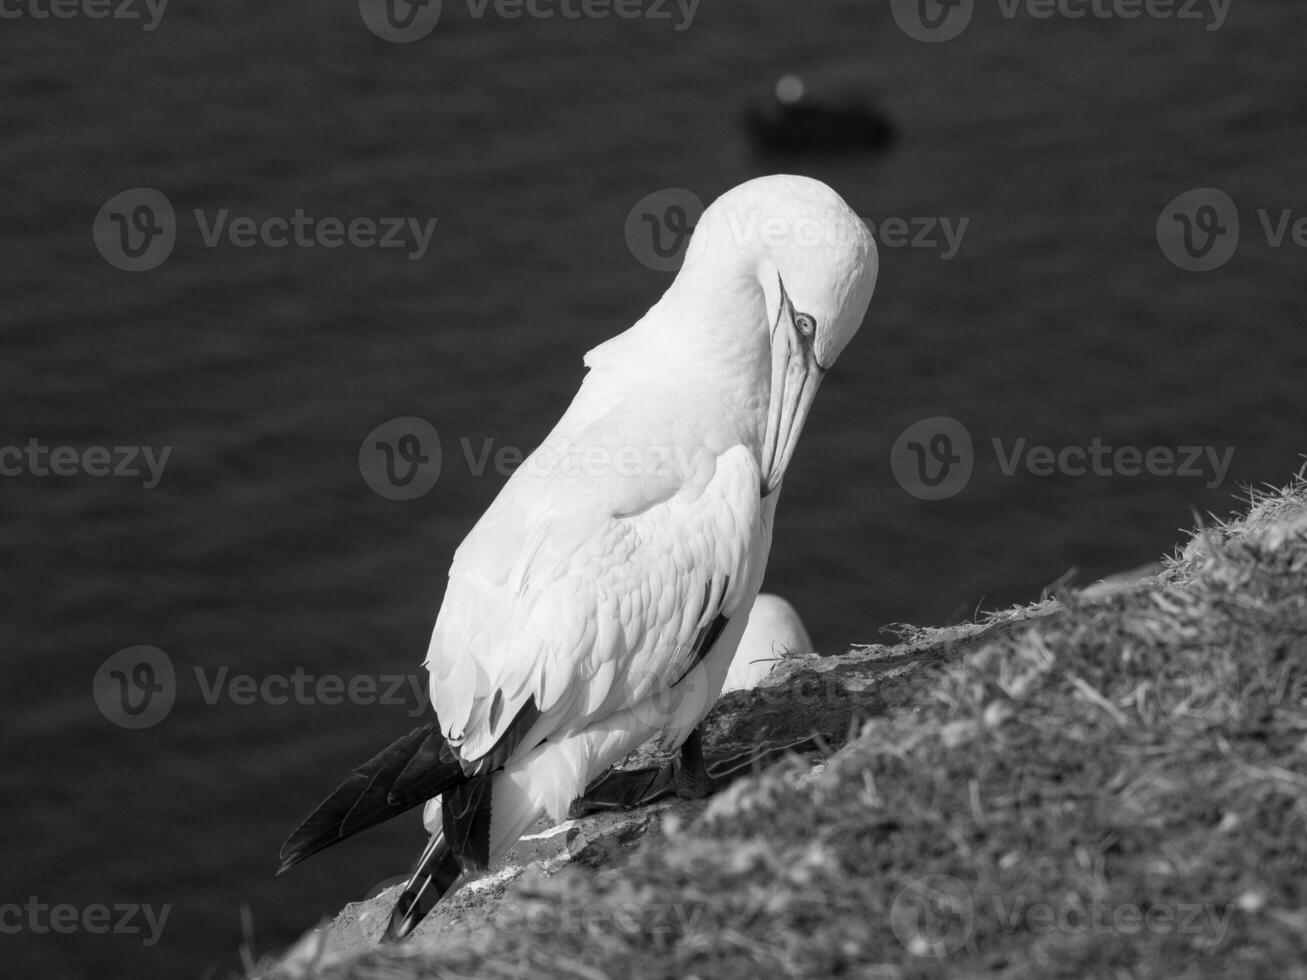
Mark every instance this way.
x=801 y=266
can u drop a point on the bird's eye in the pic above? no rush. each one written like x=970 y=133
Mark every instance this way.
x=806 y=324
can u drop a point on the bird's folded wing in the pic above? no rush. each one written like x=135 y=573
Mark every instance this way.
x=585 y=590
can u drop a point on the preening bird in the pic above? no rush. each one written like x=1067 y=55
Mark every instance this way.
x=599 y=601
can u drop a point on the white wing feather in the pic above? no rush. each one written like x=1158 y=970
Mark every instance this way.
x=585 y=585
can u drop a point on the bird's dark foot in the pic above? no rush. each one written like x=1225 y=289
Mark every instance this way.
x=624 y=789
x=690 y=776
x=630 y=789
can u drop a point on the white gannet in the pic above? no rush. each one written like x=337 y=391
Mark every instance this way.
x=599 y=601
x=773 y=632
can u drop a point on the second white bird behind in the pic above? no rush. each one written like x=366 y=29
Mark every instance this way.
x=774 y=632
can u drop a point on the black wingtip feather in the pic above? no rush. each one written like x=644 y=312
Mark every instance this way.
x=426 y=770
x=410 y=771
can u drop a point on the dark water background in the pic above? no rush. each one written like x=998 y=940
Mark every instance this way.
x=262 y=550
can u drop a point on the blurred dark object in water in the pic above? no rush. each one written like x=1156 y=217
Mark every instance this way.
x=797 y=120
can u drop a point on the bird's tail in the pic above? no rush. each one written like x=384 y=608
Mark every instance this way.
x=416 y=768
x=411 y=771
x=437 y=871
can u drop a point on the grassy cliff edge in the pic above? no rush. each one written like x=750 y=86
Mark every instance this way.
x=1112 y=782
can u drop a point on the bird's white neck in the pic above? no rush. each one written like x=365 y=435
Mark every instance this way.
x=704 y=353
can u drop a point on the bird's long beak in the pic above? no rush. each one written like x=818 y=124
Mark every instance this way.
x=795 y=378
